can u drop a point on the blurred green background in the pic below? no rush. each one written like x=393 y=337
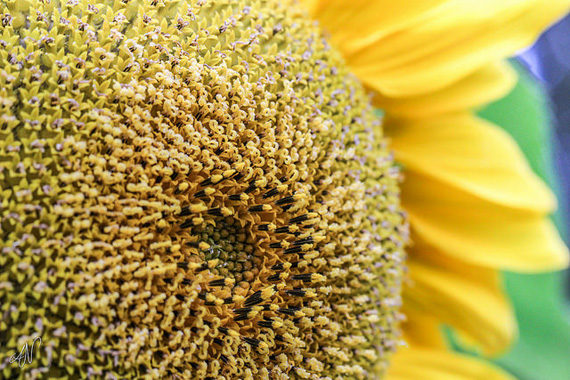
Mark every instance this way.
x=543 y=349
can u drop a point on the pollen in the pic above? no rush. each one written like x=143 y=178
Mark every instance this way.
x=191 y=189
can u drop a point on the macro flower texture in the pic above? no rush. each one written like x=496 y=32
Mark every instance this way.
x=264 y=189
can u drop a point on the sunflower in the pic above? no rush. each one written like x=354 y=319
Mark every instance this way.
x=475 y=207
x=202 y=189
x=191 y=190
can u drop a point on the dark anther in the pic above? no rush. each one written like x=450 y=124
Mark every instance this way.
x=292 y=250
x=206 y=182
x=285 y=200
x=296 y=292
x=306 y=277
x=289 y=312
x=202 y=268
x=200 y=194
x=299 y=219
x=275 y=277
x=228 y=300
x=243 y=310
x=185 y=211
x=277 y=267
x=271 y=193
x=307 y=240
x=252 y=341
x=268 y=324
x=240 y=317
x=257 y=208
x=254 y=299
x=187 y=223
x=219 y=282
x=215 y=211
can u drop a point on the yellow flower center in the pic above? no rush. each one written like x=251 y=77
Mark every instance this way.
x=196 y=189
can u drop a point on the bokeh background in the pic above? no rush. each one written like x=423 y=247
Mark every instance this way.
x=537 y=114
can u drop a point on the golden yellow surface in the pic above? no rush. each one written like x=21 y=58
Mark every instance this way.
x=191 y=190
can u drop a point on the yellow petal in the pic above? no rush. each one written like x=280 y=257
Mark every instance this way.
x=356 y=24
x=473 y=155
x=421 y=329
x=467 y=297
x=426 y=48
x=489 y=83
x=430 y=364
x=474 y=230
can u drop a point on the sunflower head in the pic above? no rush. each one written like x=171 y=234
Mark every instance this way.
x=191 y=189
